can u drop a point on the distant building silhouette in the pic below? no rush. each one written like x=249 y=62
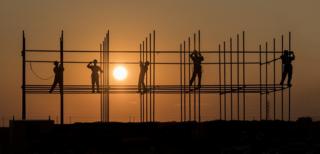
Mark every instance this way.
x=95 y=74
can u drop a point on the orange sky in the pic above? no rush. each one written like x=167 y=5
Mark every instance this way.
x=85 y=23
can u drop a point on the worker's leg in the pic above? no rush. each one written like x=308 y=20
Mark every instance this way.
x=97 y=83
x=199 y=78
x=92 y=84
x=192 y=78
x=140 y=82
x=143 y=86
x=60 y=85
x=55 y=82
x=284 y=74
x=289 y=74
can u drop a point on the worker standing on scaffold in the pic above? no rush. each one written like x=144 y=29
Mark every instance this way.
x=143 y=70
x=287 y=57
x=197 y=59
x=94 y=75
x=57 y=75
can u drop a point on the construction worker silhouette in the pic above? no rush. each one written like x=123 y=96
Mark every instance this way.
x=287 y=57
x=57 y=75
x=197 y=58
x=143 y=70
x=94 y=74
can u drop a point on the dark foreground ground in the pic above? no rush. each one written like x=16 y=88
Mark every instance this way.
x=207 y=137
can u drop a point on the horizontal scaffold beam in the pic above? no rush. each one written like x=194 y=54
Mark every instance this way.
x=160 y=89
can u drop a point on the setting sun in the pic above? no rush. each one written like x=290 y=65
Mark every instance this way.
x=120 y=73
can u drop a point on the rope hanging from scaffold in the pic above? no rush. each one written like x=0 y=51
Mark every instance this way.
x=38 y=76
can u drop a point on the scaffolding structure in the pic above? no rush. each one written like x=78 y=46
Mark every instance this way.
x=190 y=96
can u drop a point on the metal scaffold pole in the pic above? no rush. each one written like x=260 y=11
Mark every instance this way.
x=244 y=75
x=289 y=95
x=23 y=53
x=62 y=84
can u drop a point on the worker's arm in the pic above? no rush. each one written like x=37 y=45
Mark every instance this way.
x=201 y=57
x=192 y=56
x=100 y=69
x=293 y=56
x=89 y=65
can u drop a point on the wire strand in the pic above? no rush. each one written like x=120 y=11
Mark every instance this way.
x=38 y=76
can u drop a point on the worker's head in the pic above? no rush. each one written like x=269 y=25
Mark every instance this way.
x=147 y=63
x=95 y=61
x=194 y=51
x=286 y=52
x=56 y=63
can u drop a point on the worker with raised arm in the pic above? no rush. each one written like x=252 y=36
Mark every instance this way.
x=94 y=74
x=197 y=59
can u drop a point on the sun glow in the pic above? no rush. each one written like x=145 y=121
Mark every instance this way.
x=120 y=73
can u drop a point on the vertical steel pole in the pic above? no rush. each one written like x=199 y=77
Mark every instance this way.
x=108 y=77
x=23 y=52
x=181 y=105
x=62 y=84
x=104 y=95
x=199 y=91
x=184 y=81
x=143 y=102
x=101 y=79
x=224 y=80
x=154 y=74
x=267 y=92
x=238 y=78
x=147 y=107
x=244 y=75
x=140 y=60
x=289 y=97
x=274 y=79
x=260 y=85
x=219 y=48
x=282 y=105
x=194 y=85
x=231 y=95
x=189 y=93
x=150 y=76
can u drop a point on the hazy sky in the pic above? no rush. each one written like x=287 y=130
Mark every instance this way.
x=86 y=21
